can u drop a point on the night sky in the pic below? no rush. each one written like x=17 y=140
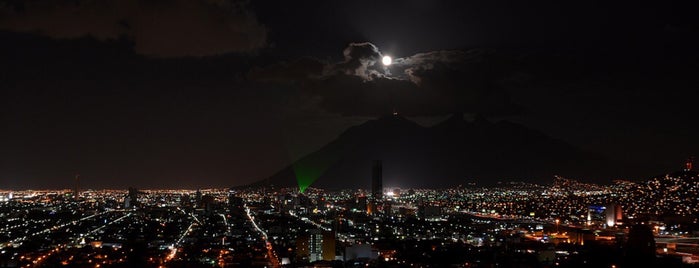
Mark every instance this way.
x=215 y=93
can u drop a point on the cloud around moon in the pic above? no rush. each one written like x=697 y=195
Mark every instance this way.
x=430 y=83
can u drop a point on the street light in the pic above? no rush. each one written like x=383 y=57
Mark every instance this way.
x=557 y=221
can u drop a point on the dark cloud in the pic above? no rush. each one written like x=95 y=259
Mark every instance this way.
x=361 y=59
x=408 y=67
x=432 y=83
x=156 y=28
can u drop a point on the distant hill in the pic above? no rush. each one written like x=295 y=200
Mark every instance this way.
x=670 y=195
x=453 y=152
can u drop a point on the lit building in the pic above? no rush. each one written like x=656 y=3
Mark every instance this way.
x=328 y=246
x=613 y=215
x=317 y=246
x=595 y=215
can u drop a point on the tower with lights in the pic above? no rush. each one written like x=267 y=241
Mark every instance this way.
x=76 y=190
x=377 y=181
x=688 y=164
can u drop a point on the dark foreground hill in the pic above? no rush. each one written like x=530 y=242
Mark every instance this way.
x=453 y=152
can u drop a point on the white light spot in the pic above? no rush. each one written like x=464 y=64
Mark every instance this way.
x=386 y=60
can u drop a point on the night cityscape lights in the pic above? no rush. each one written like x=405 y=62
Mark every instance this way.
x=363 y=133
x=563 y=224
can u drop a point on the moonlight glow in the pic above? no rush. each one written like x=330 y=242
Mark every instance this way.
x=386 y=60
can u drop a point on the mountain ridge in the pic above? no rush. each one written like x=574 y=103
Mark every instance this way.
x=452 y=152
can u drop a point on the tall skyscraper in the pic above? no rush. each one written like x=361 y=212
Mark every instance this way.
x=328 y=250
x=235 y=203
x=315 y=245
x=131 y=199
x=377 y=181
x=197 y=199
x=76 y=190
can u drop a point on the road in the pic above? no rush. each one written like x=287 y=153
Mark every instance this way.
x=273 y=258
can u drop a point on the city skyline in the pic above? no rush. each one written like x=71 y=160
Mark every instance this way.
x=374 y=186
x=567 y=223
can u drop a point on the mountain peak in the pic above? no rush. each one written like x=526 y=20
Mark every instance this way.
x=440 y=156
x=479 y=119
x=392 y=117
x=391 y=121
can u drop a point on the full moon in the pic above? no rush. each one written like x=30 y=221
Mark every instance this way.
x=386 y=60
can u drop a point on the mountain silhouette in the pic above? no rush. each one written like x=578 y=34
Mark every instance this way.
x=451 y=153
